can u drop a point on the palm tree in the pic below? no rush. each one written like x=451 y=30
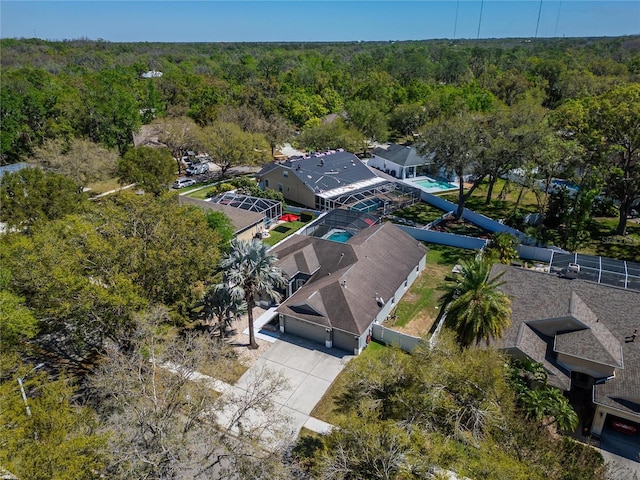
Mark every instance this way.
x=503 y=248
x=221 y=305
x=475 y=309
x=249 y=271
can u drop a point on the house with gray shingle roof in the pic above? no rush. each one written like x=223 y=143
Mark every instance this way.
x=400 y=161
x=582 y=333
x=337 y=290
x=317 y=180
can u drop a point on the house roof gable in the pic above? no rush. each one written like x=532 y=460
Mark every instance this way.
x=536 y=295
x=354 y=275
x=403 y=155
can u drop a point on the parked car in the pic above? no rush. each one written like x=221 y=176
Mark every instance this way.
x=628 y=428
x=198 y=168
x=183 y=182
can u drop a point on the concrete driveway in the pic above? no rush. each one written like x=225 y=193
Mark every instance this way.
x=309 y=369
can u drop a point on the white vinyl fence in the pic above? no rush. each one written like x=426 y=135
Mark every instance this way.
x=392 y=337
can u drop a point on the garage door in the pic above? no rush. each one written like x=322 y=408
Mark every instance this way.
x=304 y=329
x=344 y=341
x=621 y=436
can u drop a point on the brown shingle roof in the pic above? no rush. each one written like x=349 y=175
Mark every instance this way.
x=610 y=315
x=373 y=263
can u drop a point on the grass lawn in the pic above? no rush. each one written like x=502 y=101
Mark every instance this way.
x=231 y=374
x=417 y=311
x=103 y=186
x=498 y=208
x=326 y=409
x=200 y=194
x=606 y=243
x=420 y=212
x=283 y=230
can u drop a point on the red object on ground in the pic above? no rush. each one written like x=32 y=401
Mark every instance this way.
x=290 y=217
x=624 y=427
x=369 y=221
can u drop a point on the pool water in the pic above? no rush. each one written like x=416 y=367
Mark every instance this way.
x=338 y=236
x=369 y=205
x=435 y=184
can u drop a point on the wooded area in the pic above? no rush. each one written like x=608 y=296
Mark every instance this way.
x=98 y=290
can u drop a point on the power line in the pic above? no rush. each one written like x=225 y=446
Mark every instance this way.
x=555 y=31
x=480 y=19
x=455 y=26
x=538 y=22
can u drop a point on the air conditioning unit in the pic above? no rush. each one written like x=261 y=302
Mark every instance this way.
x=572 y=270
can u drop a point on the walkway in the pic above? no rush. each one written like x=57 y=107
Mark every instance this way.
x=308 y=369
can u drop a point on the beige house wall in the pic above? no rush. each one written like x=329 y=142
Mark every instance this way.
x=292 y=188
x=251 y=232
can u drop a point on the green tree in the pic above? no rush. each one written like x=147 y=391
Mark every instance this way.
x=30 y=195
x=229 y=146
x=56 y=439
x=475 y=309
x=109 y=112
x=503 y=248
x=74 y=285
x=220 y=305
x=331 y=135
x=150 y=168
x=368 y=119
x=222 y=225
x=408 y=118
x=17 y=322
x=179 y=134
x=458 y=145
x=249 y=271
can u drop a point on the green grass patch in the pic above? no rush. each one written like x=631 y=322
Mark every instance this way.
x=498 y=208
x=421 y=213
x=199 y=193
x=606 y=243
x=326 y=409
x=282 y=231
x=420 y=302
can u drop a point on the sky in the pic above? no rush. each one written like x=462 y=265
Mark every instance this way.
x=304 y=21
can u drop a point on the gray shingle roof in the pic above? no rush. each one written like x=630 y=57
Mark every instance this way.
x=402 y=155
x=241 y=219
x=373 y=263
x=326 y=172
x=609 y=314
x=537 y=347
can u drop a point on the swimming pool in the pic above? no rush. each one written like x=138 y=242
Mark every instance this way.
x=369 y=205
x=431 y=184
x=338 y=235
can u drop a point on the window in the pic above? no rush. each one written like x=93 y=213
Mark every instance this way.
x=285 y=173
x=280 y=187
x=266 y=182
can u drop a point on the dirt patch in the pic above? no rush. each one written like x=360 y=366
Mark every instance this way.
x=418 y=326
x=239 y=341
